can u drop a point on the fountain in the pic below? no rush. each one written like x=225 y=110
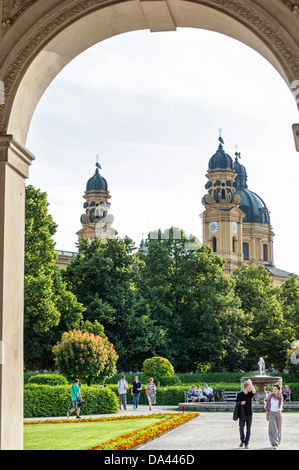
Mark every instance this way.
x=261 y=381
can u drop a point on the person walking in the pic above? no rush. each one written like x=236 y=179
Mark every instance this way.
x=150 y=391
x=122 y=386
x=76 y=398
x=244 y=399
x=274 y=407
x=135 y=390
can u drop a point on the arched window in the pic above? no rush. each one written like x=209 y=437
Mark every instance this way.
x=214 y=244
x=265 y=252
x=246 y=251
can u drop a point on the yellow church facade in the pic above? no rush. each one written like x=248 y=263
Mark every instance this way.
x=236 y=221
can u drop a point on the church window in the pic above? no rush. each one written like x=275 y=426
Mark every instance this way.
x=265 y=252
x=246 y=251
x=214 y=244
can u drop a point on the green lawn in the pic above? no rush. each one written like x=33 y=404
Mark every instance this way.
x=79 y=436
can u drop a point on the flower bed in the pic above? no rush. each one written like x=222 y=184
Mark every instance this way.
x=133 y=439
x=141 y=436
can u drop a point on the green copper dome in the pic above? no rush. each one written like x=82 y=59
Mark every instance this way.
x=221 y=159
x=97 y=183
x=252 y=205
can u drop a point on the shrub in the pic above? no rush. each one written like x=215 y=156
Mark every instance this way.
x=46 y=400
x=47 y=379
x=85 y=355
x=158 y=368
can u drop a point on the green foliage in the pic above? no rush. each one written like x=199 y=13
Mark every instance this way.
x=261 y=303
x=85 y=355
x=158 y=367
x=194 y=302
x=46 y=401
x=50 y=308
x=292 y=365
x=104 y=277
x=289 y=295
x=47 y=379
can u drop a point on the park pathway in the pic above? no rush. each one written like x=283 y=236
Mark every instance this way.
x=218 y=431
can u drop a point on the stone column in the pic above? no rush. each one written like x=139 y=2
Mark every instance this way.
x=14 y=163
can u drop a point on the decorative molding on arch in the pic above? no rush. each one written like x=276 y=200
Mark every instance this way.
x=251 y=16
x=293 y=6
x=261 y=25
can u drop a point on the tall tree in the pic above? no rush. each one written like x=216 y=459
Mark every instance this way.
x=289 y=295
x=104 y=277
x=49 y=308
x=194 y=301
x=262 y=305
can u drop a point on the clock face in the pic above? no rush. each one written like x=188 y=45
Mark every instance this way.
x=213 y=227
x=234 y=227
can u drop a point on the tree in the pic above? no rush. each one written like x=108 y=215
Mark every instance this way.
x=263 y=308
x=50 y=308
x=292 y=364
x=104 y=277
x=194 y=302
x=85 y=356
x=158 y=367
x=289 y=295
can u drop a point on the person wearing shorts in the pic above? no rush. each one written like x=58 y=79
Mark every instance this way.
x=75 y=397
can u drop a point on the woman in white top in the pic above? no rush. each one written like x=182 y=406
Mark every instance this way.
x=150 y=391
x=273 y=408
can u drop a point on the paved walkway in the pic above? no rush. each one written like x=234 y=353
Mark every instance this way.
x=213 y=431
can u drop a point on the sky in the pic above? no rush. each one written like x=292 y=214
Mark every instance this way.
x=151 y=105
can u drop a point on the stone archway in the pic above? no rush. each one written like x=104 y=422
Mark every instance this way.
x=37 y=40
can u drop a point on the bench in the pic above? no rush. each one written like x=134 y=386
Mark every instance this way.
x=226 y=395
x=187 y=398
x=229 y=395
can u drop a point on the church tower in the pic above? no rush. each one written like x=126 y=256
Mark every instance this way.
x=236 y=221
x=96 y=222
x=222 y=218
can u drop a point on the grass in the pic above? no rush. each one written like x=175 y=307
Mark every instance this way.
x=79 y=436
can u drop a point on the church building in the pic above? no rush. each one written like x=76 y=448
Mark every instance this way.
x=96 y=222
x=236 y=221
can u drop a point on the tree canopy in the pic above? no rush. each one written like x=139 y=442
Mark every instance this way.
x=175 y=302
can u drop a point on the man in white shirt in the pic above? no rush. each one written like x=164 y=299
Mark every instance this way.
x=208 y=392
x=122 y=386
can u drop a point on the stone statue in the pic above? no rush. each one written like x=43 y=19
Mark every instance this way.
x=261 y=365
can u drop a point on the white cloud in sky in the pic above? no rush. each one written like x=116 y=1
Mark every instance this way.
x=150 y=105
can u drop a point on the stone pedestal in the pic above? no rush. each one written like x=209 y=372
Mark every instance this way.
x=260 y=382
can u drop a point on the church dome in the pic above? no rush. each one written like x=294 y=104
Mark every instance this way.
x=252 y=205
x=221 y=160
x=97 y=183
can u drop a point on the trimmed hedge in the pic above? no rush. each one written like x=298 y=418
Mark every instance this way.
x=47 y=379
x=47 y=401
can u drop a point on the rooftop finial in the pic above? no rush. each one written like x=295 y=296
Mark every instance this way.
x=220 y=138
x=237 y=154
x=97 y=163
